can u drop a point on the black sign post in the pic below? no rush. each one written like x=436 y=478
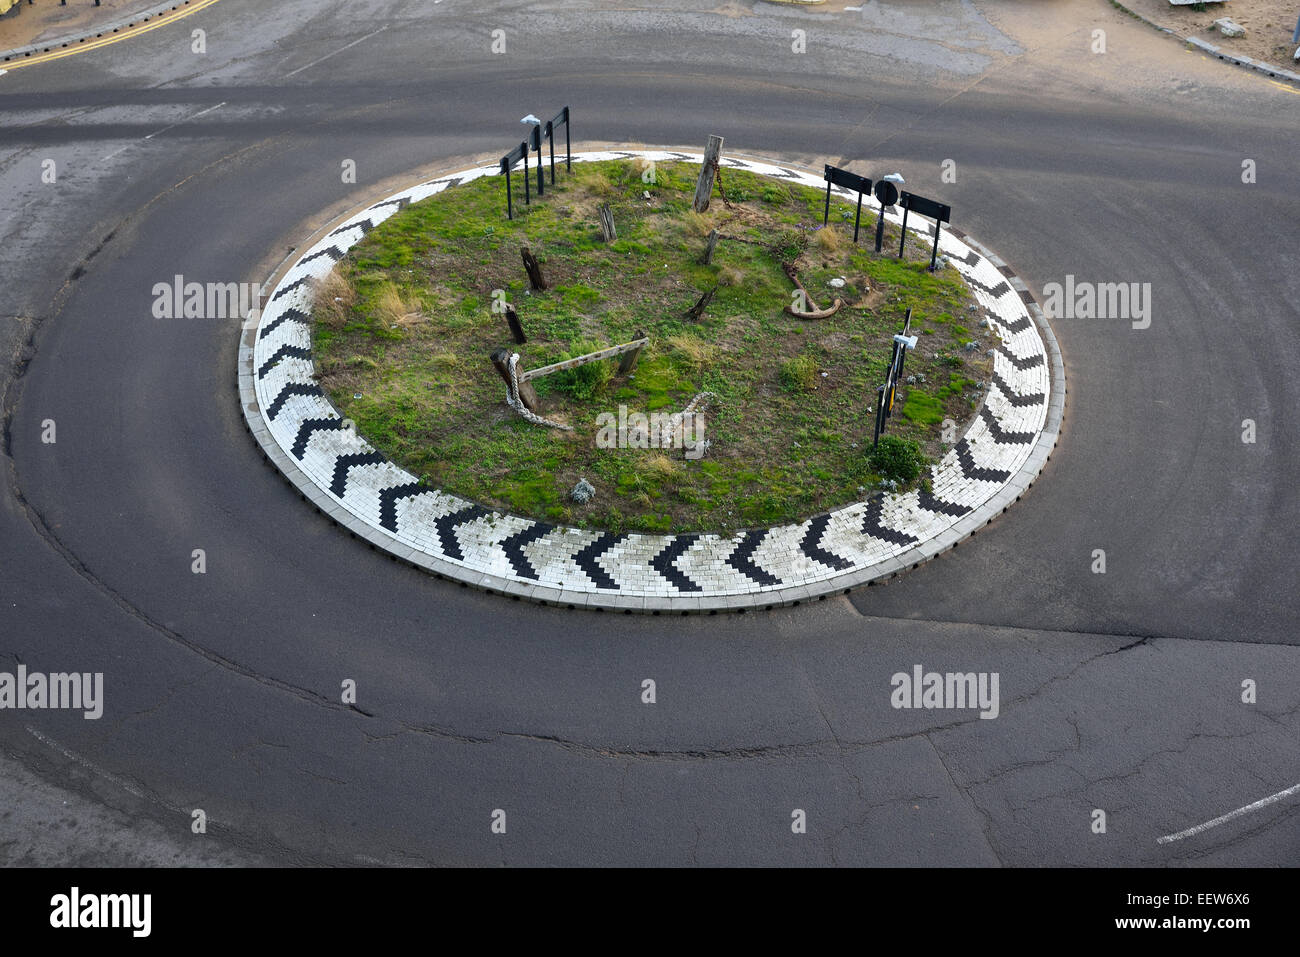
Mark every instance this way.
x=508 y=162
x=887 y=193
x=536 y=138
x=551 y=124
x=835 y=176
x=924 y=207
x=534 y=143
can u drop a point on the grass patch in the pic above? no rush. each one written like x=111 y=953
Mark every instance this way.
x=406 y=322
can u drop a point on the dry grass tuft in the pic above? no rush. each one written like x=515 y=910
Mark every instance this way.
x=395 y=310
x=829 y=239
x=333 y=300
x=694 y=351
x=730 y=276
x=696 y=224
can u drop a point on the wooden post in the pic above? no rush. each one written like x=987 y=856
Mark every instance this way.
x=516 y=328
x=697 y=310
x=607 y=229
x=708 y=250
x=527 y=394
x=534 y=269
x=704 y=185
x=598 y=356
x=628 y=362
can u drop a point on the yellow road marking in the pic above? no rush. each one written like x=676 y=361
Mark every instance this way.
x=161 y=20
x=1283 y=86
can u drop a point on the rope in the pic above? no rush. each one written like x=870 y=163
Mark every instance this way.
x=512 y=399
x=675 y=420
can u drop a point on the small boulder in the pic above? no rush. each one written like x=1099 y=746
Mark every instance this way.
x=584 y=491
x=1230 y=27
x=837 y=282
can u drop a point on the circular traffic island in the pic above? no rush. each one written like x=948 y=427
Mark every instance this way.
x=727 y=360
x=584 y=406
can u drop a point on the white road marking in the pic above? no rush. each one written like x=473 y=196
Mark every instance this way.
x=336 y=52
x=78 y=759
x=165 y=129
x=186 y=120
x=1231 y=815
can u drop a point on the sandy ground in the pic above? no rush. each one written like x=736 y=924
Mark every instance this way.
x=1268 y=23
x=46 y=20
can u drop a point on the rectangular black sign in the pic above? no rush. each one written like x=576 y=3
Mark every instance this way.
x=842 y=177
x=925 y=207
x=516 y=155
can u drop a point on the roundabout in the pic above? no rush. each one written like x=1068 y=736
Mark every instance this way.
x=343 y=476
x=1120 y=674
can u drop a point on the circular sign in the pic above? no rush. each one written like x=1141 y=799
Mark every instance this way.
x=886 y=192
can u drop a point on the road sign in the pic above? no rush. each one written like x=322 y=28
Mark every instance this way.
x=835 y=176
x=939 y=212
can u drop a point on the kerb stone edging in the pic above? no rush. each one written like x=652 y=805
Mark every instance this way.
x=1004 y=449
x=122 y=25
x=1259 y=66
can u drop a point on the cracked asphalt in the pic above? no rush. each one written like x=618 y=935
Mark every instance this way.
x=1120 y=692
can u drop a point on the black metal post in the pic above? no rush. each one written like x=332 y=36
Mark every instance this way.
x=880 y=415
x=510 y=207
x=537 y=148
x=934 y=250
x=528 y=196
x=568 y=149
x=550 y=136
x=880 y=227
x=903 y=238
x=857 y=219
x=826 y=218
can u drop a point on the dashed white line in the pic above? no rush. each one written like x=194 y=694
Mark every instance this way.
x=186 y=120
x=173 y=126
x=336 y=52
x=1231 y=815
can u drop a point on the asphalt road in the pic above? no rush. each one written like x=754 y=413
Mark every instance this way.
x=1119 y=691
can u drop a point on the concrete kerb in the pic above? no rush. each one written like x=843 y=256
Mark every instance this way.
x=681 y=603
x=1276 y=72
x=114 y=26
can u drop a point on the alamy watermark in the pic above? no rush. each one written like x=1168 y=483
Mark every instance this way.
x=951 y=690
x=1098 y=300
x=179 y=299
x=75 y=910
x=58 y=691
x=656 y=430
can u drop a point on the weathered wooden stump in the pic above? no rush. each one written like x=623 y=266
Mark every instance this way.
x=516 y=328
x=607 y=230
x=628 y=362
x=534 y=269
x=704 y=185
x=697 y=310
x=707 y=259
x=527 y=394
